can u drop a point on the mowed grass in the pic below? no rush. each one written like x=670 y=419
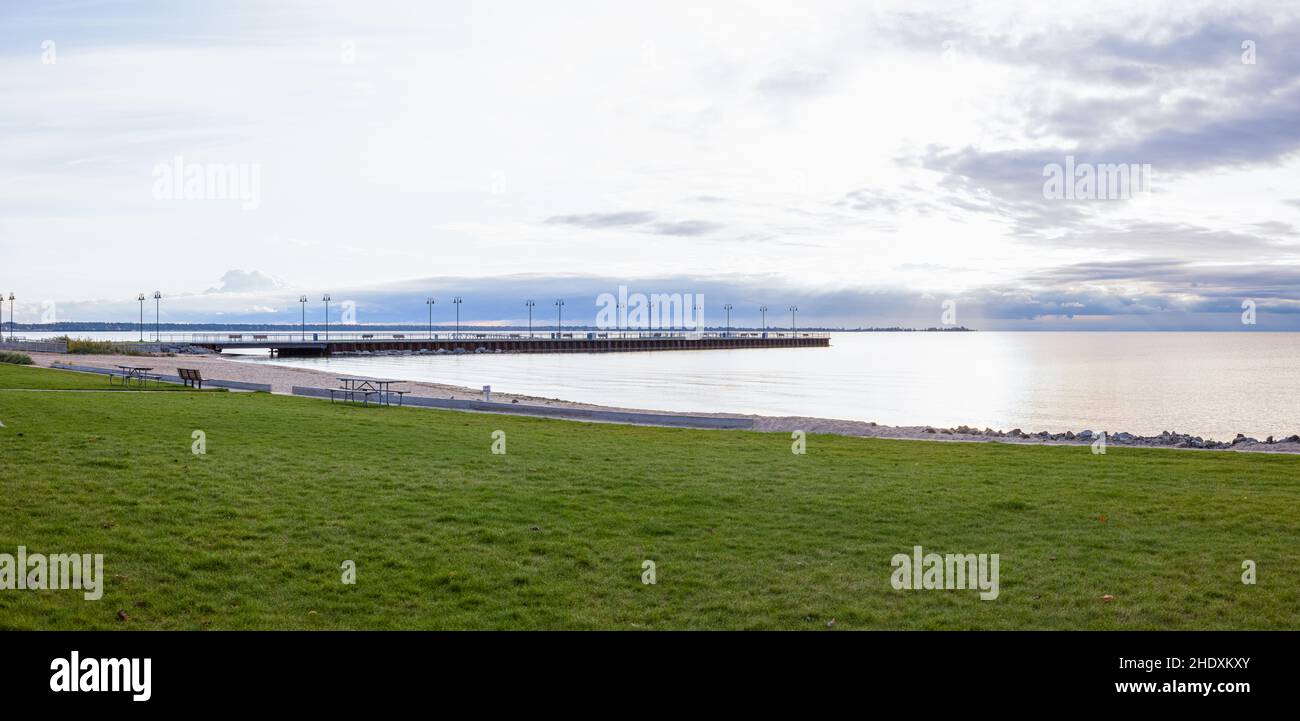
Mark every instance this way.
x=552 y=535
x=32 y=378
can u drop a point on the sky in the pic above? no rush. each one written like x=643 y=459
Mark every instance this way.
x=865 y=161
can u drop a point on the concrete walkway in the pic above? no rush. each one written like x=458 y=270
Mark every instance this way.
x=576 y=414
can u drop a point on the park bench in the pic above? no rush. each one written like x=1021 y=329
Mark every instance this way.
x=190 y=377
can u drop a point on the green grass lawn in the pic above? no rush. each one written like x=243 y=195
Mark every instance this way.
x=553 y=534
x=31 y=377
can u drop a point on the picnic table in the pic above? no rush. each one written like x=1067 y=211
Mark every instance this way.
x=139 y=374
x=350 y=388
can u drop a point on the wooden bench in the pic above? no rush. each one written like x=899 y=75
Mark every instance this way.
x=190 y=377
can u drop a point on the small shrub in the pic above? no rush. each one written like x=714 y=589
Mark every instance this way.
x=21 y=359
x=83 y=346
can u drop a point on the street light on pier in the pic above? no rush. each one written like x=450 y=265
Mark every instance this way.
x=530 y=303
x=141 y=299
x=457 y=300
x=429 y=302
x=727 y=308
x=559 y=320
x=302 y=299
x=793 y=309
x=763 y=309
x=11 y=317
x=157 y=313
x=327 y=299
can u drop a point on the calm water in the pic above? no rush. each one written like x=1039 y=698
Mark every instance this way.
x=1210 y=384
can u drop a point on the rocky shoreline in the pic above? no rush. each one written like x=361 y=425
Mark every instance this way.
x=1167 y=439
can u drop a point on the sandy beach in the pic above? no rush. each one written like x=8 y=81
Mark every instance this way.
x=283 y=378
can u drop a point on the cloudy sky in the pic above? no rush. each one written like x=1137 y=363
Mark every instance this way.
x=866 y=161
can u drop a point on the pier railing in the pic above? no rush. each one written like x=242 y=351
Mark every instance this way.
x=39 y=345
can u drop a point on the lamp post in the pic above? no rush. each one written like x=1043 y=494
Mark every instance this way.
x=763 y=309
x=727 y=308
x=326 y=298
x=302 y=300
x=793 y=309
x=11 y=317
x=157 y=313
x=559 y=319
x=530 y=303
x=141 y=299
x=457 y=300
x=429 y=302
x=2 y=316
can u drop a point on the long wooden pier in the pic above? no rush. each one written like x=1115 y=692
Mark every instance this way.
x=321 y=344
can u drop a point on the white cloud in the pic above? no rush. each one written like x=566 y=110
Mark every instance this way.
x=460 y=131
